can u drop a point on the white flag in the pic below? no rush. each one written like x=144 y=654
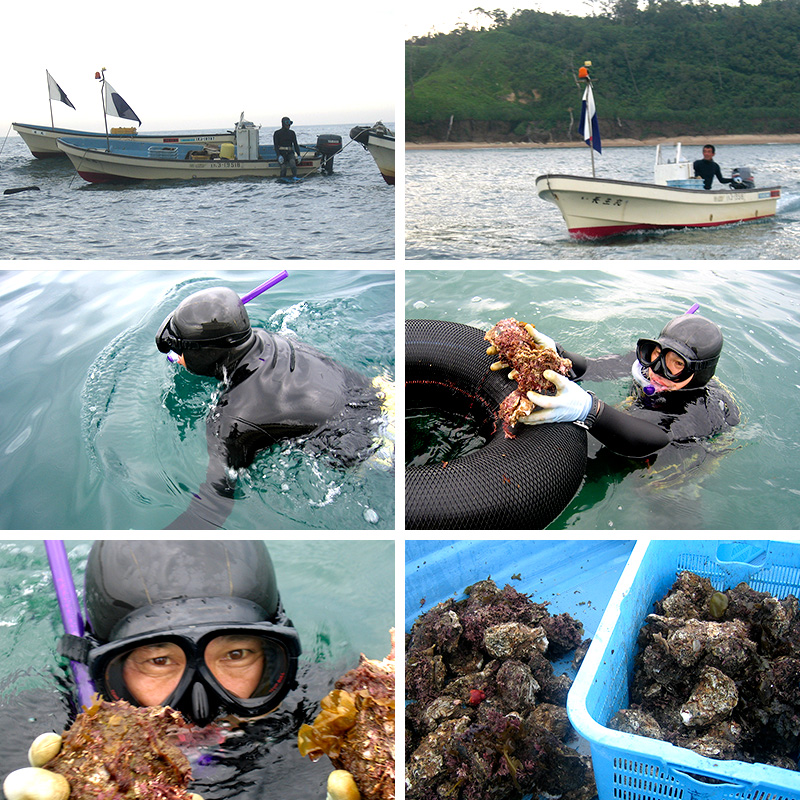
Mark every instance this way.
x=116 y=106
x=588 y=127
x=56 y=92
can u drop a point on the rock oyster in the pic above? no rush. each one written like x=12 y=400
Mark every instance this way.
x=513 y=343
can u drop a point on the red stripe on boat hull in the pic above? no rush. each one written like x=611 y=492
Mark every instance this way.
x=101 y=177
x=604 y=231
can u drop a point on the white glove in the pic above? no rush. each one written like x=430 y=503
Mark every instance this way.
x=280 y=159
x=570 y=403
x=542 y=339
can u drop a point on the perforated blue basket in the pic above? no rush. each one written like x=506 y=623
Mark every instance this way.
x=630 y=767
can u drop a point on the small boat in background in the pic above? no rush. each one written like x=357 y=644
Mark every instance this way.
x=595 y=208
x=123 y=160
x=378 y=141
x=41 y=139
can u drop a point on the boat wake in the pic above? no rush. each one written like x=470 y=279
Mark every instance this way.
x=788 y=203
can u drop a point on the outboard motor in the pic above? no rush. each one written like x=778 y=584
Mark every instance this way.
x=742 y=178
x=328 y=145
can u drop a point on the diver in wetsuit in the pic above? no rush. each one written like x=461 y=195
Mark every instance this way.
x=284 y=140
x=274 y=388
x=708 y=169
x=198 y=626
x=675 y=396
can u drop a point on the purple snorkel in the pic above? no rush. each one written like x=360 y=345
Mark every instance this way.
x=252 y=294
x=70 y=613
x=650 y=389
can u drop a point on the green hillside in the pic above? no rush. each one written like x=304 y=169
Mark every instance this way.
x=670 y=69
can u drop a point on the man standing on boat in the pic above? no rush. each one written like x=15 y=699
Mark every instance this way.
x=708 y=169
x=286 y=147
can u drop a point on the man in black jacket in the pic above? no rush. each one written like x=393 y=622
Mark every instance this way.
x=288 y=151
x=708 y=169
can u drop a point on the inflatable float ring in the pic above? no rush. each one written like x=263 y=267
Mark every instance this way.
x=524 y=482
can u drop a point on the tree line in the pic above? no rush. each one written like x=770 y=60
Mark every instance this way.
x=671 y=68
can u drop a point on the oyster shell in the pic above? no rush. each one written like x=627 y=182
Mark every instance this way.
x=514 y=345
x=356 y=727
x=115 y=751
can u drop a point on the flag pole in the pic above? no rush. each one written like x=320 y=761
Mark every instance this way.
x=101 y=76
x=583 y=75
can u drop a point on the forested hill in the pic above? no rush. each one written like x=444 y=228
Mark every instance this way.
x=667 y=70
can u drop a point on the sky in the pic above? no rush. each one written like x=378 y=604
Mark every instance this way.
x=188 y=66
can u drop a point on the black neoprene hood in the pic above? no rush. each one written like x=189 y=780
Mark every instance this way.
x=210 y=328
x=696 y=339
x=129 y=581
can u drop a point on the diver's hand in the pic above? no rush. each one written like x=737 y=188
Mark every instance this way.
x=570 y=403
x=33 y=781
x=342 y=786
x=542 y=339
x=280 y=159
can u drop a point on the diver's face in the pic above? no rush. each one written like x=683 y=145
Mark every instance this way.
x=675 y=365
x=153 y=672
x=708 y=153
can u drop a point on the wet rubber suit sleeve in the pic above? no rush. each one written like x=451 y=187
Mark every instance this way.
x=620 y=432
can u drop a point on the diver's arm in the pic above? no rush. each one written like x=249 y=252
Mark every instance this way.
x=627 y=435
x=213 y=501
x=618 y=431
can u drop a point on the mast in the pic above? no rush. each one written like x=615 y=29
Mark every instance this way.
x=101 y=76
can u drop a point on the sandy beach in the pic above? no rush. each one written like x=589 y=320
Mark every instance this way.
x=778 y=138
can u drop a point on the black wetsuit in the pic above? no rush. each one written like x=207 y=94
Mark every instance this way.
x=280 y=389
x=708 y=170
x=285 y=142
x=653 y=422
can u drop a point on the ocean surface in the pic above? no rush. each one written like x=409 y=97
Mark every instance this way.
x=482 y=204
x=339 y=612
x=99 y=431
x=347 y=215
x=750 y=481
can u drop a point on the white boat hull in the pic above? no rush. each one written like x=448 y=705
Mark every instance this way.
x=595 y=208
x=379 y=143
x=382 y=150
x=42 y=140
x=100 y=166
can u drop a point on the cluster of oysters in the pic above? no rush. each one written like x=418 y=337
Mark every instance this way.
x=486 y=716
x=719 y=673
x=356 y=730
x=514 y=344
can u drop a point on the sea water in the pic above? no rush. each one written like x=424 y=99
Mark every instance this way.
x=482 y=204
x=339 y=595
x=746 y=481
x=99 y=431
x=347 y=215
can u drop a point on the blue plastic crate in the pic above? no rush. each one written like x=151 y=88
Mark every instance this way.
x=574 y=576
x=630 y=767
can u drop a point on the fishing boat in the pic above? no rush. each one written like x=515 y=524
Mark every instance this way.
x=114 y=161
x=596 y=208
x=42 y=139
x=378 y=141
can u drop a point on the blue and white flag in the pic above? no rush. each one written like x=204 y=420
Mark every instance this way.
x=56 y=92
x=588 y=127
x=116 y=106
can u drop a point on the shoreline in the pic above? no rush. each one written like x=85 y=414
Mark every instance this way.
x=728 y=139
